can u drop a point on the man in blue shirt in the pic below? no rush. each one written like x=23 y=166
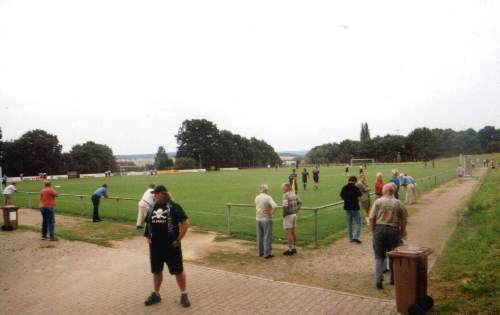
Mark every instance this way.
x=394 y=179
x=96 y=199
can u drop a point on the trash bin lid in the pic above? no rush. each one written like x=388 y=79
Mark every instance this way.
x=410 y=251
x=9 y=207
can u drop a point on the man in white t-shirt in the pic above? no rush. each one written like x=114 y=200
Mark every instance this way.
x=7 y=192
x=264 y=206
x=146 y=202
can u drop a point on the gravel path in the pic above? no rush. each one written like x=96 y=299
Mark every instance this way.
x=41 y=277
x=349 y=267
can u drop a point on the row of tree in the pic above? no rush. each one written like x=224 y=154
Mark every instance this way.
x=422 y=144
x=201 y=144
x=37 y=151
x=202 y=141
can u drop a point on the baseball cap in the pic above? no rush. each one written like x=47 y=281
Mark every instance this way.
x=159 y=189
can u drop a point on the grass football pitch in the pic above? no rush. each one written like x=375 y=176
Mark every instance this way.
x=204 y=196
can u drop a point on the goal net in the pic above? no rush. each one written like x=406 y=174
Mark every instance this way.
x=355 y=162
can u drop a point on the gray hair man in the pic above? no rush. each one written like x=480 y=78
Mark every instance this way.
x=291 y=206
x=388 y=223
x=7 y=193
x=264 y=206
x=146 y=202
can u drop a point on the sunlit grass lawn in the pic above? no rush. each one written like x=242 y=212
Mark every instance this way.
x=467 y=277
x=204 y=195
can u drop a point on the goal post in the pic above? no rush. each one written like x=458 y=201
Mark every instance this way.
x=355 y=162
x=466 y=162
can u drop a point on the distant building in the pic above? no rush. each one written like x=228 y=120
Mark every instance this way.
x=288 y=160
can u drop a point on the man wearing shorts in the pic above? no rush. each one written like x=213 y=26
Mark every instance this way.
x=164 y=238
x=291 y=206
x=305 y=176
x=316 y=177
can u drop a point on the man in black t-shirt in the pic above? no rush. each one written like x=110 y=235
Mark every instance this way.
x=351 y=194
x=305 y=176
x=292 y=179
x=164 y=238
x=316 y=177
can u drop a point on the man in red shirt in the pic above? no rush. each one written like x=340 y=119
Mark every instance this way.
x=47 y=208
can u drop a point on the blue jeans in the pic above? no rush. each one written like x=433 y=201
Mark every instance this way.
x=264 y=237
x=48 y=221
x=350 y=215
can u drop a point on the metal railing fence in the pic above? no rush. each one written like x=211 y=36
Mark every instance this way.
x=123 y=210
x=425 y=183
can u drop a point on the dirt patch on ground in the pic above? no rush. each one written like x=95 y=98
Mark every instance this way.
x=346 y=266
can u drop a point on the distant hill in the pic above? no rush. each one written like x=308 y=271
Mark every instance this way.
x=298 y=154
x=141 y=156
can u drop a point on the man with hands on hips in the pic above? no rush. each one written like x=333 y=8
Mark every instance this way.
x=166 y=226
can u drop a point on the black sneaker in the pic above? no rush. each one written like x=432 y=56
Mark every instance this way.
x=153 y=299
x=294 y=251
x=288 y=253
x=96 y=220
x=44 y=238
x=268 y=257
x=184 y=300
x=386 y=270
x=356 y=241
x=379 y=285
x=139 y=227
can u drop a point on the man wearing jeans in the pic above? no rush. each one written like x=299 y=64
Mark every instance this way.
x=388 y=222
x=351 y=194
x=47 y=205
x=96 y=199
x=264 y=206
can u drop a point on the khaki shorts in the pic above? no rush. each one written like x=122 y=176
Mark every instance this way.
x=290 y=221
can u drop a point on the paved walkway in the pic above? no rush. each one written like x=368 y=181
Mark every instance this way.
x=41 y=277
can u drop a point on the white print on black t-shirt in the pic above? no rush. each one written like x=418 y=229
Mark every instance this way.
x=161 y=216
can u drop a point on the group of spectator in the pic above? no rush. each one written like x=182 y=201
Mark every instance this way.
x=386 y=217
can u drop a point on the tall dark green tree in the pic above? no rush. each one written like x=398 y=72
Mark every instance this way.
x=365 y=133
x=199 y=139
x=34 y=152
x=487 y=136
x=422 y=144
x=92 y=157
x=161 y=159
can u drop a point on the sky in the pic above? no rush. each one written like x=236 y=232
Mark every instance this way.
x=294 y=73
